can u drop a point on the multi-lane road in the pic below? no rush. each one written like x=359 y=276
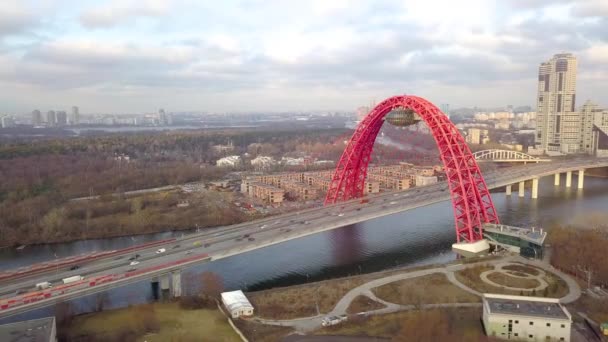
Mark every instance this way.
x=213 y=244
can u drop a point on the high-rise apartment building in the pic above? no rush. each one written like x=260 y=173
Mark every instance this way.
x=36 y=118
x=558 y=125
x=51 y=120
x=75 y=116
x=62 y=118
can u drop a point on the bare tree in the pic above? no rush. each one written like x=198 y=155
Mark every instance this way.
x=212 y=285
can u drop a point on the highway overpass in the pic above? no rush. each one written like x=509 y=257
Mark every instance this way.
x=113 y=270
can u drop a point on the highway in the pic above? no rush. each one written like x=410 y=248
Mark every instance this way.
x=222 y=242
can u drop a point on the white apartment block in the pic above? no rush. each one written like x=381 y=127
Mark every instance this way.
x=522 y=318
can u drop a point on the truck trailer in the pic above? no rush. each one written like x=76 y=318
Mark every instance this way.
x=72 y=279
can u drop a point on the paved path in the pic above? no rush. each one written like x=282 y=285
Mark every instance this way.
x=305 y=324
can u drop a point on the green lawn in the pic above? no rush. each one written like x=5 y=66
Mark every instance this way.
x=154 y=322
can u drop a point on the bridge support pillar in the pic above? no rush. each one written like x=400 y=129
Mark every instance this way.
x=522 y=190
x=534 y=187
x=508 y=190
x=556 y=179
x=581 y=178
x=176 y=284
x=568 y=179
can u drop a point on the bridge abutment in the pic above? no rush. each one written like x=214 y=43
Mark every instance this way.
x=176 y=284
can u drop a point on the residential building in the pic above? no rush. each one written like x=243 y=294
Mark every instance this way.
x=50 y=118
x=7 y=121
x=237 y=304
x=36 y=118
x=477 y=136
x=558 y=125
x=262 y=163
x=75 y=116
x=61 y=118
x=35 y=330
x=230 y=161
x=594 y=129
x=445 y=108
x=523 y=318
x=425 y=180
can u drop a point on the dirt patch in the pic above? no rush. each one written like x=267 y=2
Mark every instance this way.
x=430 y=289
x=507 y=280
x=363 y=304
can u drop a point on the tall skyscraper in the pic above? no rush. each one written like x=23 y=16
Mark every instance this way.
x=445 y=108
x=558 y=125
x=162 y=117
x=61 y=118
x=75 y=116
x=36 y=118
x=50 y=118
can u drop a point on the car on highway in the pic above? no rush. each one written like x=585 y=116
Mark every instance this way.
x=188 y=252
x=251 y=239
x=176 y=246
x=133 y=263
x=20 y=291
x=132 y=269
x=161 y=250
x=392 y=203
x=341 y=214
x=134 y=257
x=75 y=267
x=263 y=226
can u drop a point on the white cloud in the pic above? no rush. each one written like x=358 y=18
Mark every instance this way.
x=121 y=11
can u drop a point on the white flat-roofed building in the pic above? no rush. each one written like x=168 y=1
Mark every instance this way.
x=237 y=304
x=523 y=318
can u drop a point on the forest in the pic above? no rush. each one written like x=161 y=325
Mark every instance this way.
x=41 y=175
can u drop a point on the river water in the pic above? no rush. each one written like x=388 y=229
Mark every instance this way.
x=417 y=237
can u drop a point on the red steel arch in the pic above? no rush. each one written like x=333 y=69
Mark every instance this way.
x=471 y=199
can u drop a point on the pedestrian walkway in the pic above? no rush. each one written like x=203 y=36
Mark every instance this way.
x=306 y=324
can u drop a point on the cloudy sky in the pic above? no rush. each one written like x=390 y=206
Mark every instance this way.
x=240 y=55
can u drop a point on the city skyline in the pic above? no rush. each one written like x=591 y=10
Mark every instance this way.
x=133 y=56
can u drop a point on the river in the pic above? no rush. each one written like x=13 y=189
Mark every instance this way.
x=417 y=237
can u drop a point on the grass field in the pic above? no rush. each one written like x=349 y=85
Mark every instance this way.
x=152 y=323
x=434 y=288
x=418 y=325
x=506 y=280
x=362 y=304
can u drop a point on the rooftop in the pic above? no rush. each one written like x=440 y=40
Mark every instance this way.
x=35 y=330
x=534 y=235
x=235 y=299
x=526 y=306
